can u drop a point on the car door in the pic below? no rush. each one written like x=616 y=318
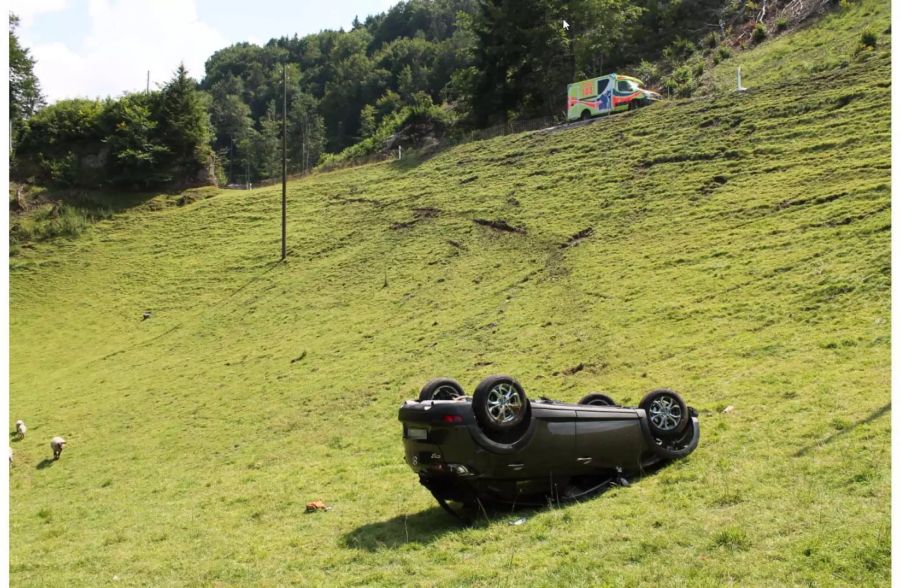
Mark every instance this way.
x=604 y=95
x=607 y=437
x=552 y=449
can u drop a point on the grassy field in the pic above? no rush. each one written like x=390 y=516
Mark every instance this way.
x=816 y=46
x=740 y=254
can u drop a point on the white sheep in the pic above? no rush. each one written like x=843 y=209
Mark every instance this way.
x=21 y=429
x=57 y=444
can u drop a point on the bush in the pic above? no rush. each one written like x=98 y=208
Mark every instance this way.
x=697 y=70
x=648 y=73
x=722 y=53
x=682 y=81
x=868 y=39
x=711 y=40
x=759 y=33
x=680 y=50
x=781 y=24
x=408 y=127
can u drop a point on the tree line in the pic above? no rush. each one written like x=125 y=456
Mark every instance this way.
x=439 y=64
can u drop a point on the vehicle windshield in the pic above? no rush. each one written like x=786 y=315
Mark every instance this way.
x=627 y=86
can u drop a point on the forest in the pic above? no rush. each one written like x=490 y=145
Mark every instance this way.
x=436 y=66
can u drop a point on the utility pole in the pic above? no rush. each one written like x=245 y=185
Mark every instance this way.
x=148 y=81
x=284 y=162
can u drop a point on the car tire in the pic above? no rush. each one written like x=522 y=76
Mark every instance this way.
x=597 y=399
x=441 y=389
x=500 y=404
x=681 y=446
x=667 y=414
x=585 y=114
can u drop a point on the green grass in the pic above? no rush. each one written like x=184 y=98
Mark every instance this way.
x=818 y=46
x=740 y=254
x=67 y=213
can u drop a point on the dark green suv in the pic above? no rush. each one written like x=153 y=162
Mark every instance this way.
x=500 y=446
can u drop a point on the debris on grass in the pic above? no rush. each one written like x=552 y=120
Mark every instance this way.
x=573 y=370
x=419 y=214
x=426 y=212
x=727 y=409
x=299 y=357
x=576 y=239
x=316 y=506
x=500 y=225
x=518 y=521
x=402 y=225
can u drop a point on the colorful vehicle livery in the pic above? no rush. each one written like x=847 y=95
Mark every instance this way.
x=606 y=94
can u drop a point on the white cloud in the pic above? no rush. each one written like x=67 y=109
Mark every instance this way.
x=127 y=38
x=26 y=10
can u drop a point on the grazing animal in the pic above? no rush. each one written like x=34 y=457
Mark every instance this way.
x=57 y=444
x=21 y=429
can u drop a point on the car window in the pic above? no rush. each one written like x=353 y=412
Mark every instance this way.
x=601 y=85
x=626 y=86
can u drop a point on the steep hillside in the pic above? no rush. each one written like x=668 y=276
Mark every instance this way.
x=815 y=46
x=739 y=253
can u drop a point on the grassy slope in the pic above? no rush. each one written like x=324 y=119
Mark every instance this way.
x=740 y=254
x=815 y=47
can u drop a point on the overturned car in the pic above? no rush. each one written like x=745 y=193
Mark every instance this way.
x=500 y=446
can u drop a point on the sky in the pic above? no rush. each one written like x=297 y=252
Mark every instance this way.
x=99 y=48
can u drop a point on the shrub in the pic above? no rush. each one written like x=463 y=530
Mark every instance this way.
x=722 y=53
x=868 y=39
x=781 y=24
x=697 y=70
x=759 y=33
x=678 y=51
x=710 y=40
x=408 y=126
x=647 y=72
x=69 y=223
x=682 y=81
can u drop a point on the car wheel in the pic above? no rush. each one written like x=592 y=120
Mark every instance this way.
x=597 y=399
x=500 y=403
x=680 y=446
x=441 y=389
x=667 y=414
x=585 y=114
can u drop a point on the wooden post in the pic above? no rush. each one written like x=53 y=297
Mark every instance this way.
x=284 y=163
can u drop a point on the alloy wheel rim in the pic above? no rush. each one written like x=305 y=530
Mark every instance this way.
x=504 y=403
x=665 y=413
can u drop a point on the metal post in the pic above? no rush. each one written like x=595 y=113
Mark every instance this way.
x=284 y=163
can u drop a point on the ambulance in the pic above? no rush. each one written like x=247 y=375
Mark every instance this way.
x=607 y=94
